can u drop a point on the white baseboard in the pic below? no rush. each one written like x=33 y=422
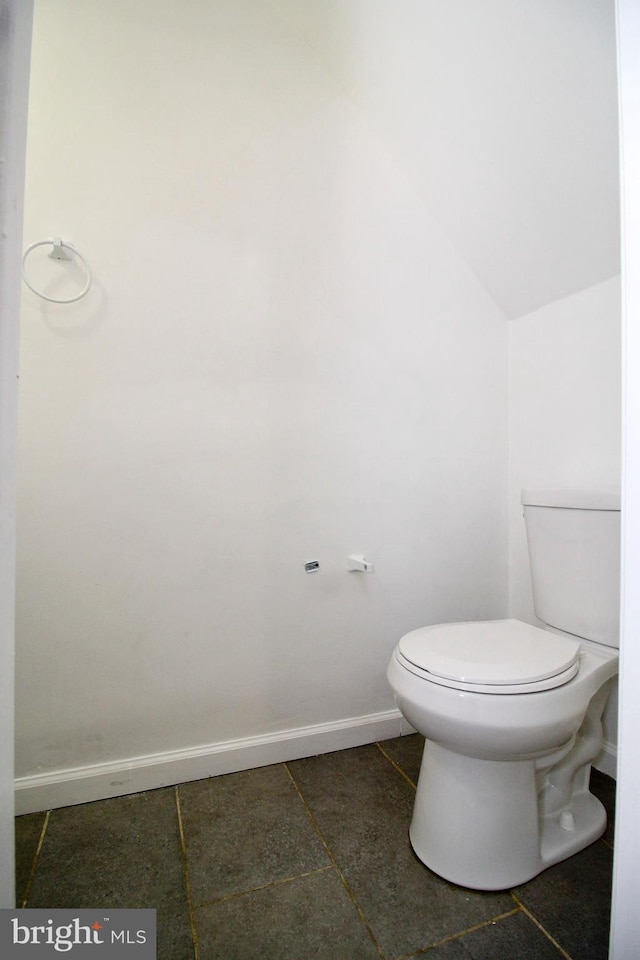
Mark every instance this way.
x=62 y=788
x=607 y=759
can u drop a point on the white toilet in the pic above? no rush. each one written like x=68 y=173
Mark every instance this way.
x=511 y=713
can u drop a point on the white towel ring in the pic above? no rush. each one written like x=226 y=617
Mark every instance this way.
x=58 y=253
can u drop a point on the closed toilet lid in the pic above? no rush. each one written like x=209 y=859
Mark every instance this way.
x=498 y=656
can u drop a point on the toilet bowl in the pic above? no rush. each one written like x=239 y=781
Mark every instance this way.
x=503 y=787
x=511 y=712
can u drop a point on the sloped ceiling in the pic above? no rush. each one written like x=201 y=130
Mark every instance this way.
x=503 y=114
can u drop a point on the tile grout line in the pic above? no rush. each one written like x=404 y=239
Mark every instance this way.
x=264 y=886
x=34 y=865
x=540 y=927
x=343 y=879
x=396 y=766
x=187 y=882
x=462 y=933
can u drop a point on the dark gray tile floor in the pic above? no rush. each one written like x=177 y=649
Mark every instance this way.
x=308 y=860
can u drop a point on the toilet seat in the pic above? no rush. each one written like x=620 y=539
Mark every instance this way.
x=495 y=656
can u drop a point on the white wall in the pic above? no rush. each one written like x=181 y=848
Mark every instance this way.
x=15 y=38
x=564 y=417
x=281 y=359
x=504 y=115
x=564 y=407
x=625 y=917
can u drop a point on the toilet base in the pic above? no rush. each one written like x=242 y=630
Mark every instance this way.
x=588 y=821
x=478 y=824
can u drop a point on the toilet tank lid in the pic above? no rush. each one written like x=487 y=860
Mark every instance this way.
x=576 y=498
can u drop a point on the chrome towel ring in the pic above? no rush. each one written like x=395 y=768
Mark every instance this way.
x=58 y=252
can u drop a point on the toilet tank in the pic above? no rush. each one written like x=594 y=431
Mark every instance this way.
x=574 y=554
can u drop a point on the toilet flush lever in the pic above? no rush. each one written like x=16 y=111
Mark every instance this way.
x=358 y=564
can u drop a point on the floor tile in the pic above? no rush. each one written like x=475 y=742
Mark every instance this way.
x=363 y=809
x=244 y=830
x=124 y=852
x=572 y=901
x=511 y=938
x=407 y=753
x=266 y=886
x=28 y=830
x=310 y=917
